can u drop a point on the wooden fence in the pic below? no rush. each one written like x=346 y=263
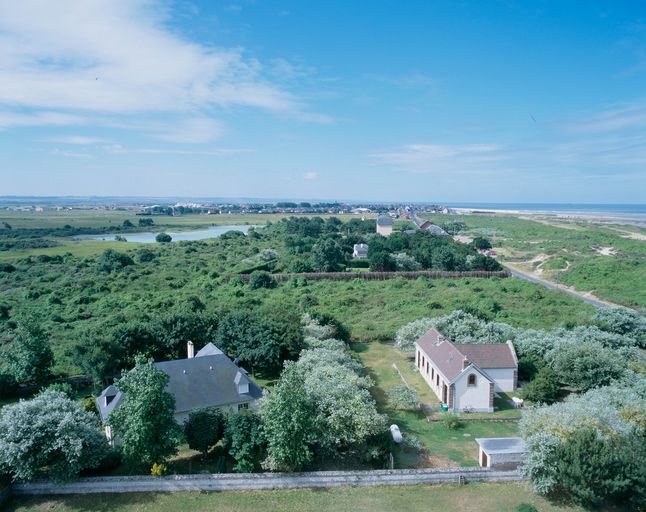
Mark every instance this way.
x=380 y=276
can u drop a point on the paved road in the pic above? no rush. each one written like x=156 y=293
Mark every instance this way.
x=528 y=277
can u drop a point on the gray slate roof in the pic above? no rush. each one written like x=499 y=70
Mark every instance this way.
x=210 y=379
x=385 y=221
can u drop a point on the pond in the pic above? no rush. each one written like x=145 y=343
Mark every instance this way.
x=149 y=237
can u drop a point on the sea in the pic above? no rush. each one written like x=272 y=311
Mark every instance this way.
x=634 y=214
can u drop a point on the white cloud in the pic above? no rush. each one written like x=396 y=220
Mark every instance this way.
x=120 y=59
x=19 y=119
x=117 y=149
x=622 y=117
x=77 y=140
x=311 y=175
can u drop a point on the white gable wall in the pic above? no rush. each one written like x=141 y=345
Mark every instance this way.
x=472 y=397
x=503 y=378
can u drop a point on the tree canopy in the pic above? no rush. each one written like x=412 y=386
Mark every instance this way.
x=144 y=421
x=49 y=433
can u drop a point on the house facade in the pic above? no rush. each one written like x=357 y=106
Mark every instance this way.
x=384 y=225
x=206 y=379
x=466 y=376
x=360 y=251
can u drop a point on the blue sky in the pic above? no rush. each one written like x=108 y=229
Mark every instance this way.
x=497 y=101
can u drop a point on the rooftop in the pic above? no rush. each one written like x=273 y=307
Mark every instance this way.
x=492 y=445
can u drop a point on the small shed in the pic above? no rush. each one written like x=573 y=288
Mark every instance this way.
x=501 y=452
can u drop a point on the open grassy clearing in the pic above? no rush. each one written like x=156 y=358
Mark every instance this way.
x=446 y=498
x=603 y=260
x=443 y=446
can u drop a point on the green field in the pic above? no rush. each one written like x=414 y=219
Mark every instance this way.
x=571 y=253
x=445 y=498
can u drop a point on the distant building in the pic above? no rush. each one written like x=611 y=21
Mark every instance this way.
x=360 y=251
x=384 y=226
x=206 y=379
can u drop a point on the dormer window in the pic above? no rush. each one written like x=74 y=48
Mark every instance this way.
x=471 y=379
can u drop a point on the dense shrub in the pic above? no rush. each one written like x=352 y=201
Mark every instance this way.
x=452 y=421
x=403 y=397
x=261 y=279
x=544 y=388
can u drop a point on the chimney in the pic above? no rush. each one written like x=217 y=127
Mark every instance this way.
x=190 y=348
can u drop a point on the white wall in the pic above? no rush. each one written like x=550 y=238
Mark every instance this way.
x=384 y=230
x=475 y=397
x=503 y=378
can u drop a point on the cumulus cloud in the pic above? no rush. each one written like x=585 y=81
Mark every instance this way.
x=70 y=63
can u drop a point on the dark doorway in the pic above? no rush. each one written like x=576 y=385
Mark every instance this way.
x=484 y=460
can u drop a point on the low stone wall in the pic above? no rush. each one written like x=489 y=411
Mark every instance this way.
x=255 y=481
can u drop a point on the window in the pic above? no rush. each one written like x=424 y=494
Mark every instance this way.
x=471 y=380
x=432 y=373
x=438 y=380
x=243 y=406
x=427 y=365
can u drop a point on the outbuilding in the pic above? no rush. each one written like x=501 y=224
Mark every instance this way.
x=501 y=452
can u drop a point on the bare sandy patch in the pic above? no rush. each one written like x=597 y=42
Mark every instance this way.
x=606 y=251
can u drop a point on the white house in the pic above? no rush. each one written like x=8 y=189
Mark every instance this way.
x=206 y=379
x=360 y=251
x=384 y=225
x=466 y=376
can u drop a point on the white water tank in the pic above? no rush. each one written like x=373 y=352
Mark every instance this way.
x=396 y=433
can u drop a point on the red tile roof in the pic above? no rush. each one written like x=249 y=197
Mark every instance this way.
x=488 y=355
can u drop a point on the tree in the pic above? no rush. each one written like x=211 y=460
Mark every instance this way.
x=544 y=388
x=28 y=357
x=111 y=261
x=327 y=255
x=443 y=258
x=128 y=224
x=163 y=238
x=287 y=422
x=204 y=429
x=263 y=337
x=586 y=365
x=261 y=279
x=144 y=421
x=245 y=440
x=408 y=334
x=49 y=432
x=481 y=243
x=406 y=263
x=613 y=412
x=146 y=222
x=595 y=470
x=381 y=261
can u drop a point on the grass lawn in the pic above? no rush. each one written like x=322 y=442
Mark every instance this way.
x=497 y=497
x=443 y=446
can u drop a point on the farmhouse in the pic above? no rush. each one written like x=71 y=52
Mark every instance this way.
x=206 y=379
x=466 y=376
x=384 y=225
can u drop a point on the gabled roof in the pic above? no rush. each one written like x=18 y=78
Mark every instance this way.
x=452 y=358
x=210 y=379
x=488 y=355
x=209 y=350
x=384 y=221
x=443 y=353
